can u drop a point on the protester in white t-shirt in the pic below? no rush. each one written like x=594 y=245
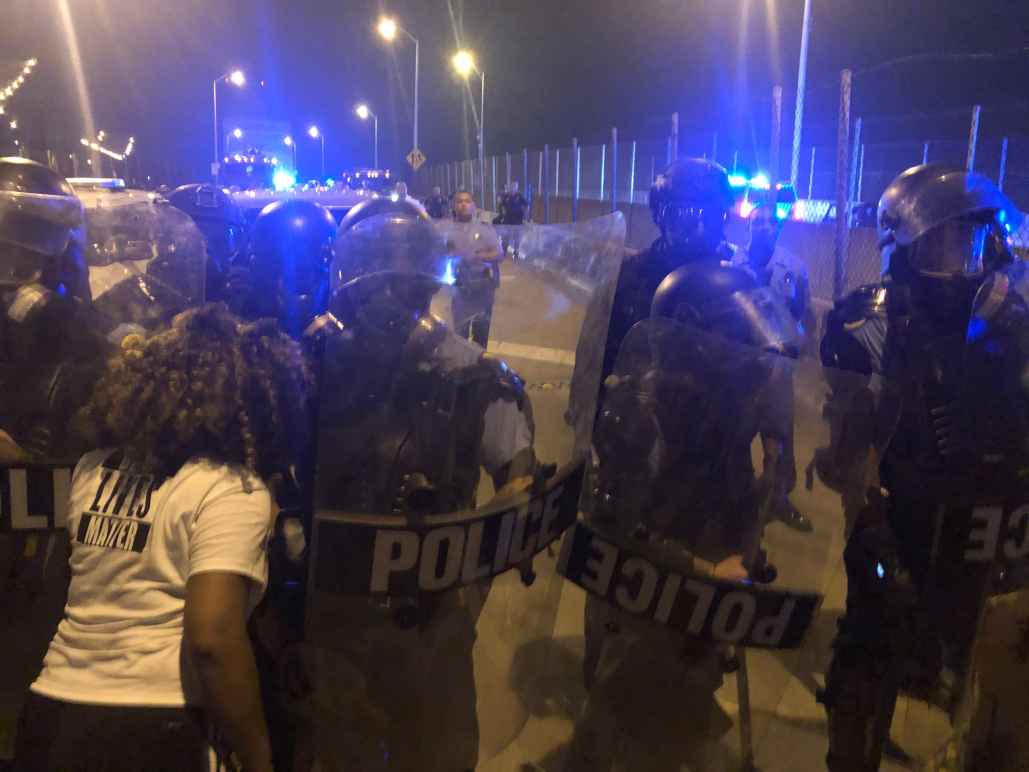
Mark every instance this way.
x=169 y=526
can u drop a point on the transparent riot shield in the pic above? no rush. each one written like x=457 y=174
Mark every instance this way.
x=53 y=349
x=147 y=262
x=446 y=473
x=708 y=618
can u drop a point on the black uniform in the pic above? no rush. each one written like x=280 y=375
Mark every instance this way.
x=512 y=209
x=436 y=206
x=944 y=346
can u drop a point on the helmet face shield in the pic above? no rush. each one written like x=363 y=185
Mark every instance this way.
x=954 y=248
x=693 y=225
x=19 y=266
x=39 y=222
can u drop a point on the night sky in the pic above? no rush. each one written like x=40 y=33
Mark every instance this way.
x=555 y=69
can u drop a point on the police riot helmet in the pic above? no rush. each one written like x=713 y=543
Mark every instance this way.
x=387 y=267
x=726 y=303
x=41 y=233
x=941 y=222
x=217 y=215
x=290 y=251
x=689 y=203
x=382 y=205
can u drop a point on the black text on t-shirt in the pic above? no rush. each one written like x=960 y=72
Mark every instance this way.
x=116 y=518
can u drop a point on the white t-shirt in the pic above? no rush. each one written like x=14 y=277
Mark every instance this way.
x=135 y=542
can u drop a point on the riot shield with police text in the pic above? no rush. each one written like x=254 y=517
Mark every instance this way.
x=144 y=267
x=446 y=473
x=709 y=607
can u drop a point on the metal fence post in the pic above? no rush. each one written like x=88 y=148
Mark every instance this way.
x=603 y=164
x=507 y=158
x=925 y=152
x=632 y=175
x=1003 y=163
x=973 y=138
x=675 y=136
x=539 y=177
x=576 y=177
x=861 y=172
x=494 y=185
x=811 y=176
x=614 y=170
x=545 y=183
x=776 y=138
x=557 y=171
x=855 y=158
x=842 y=165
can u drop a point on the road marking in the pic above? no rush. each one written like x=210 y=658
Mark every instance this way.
x=555 y=356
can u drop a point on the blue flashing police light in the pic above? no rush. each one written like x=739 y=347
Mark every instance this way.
x=448 y=276
x=283 y=180
x=760 y=182
x=329 y=181
x=738 y=180
x=782 y=209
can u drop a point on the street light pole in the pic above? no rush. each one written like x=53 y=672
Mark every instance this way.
x=237 y=79
x=214 y=99
x=388 y=29
x=482 y=137
x=798 y=117
x=364 y=113
x=416 y=78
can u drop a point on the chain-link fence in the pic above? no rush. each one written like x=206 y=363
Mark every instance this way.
x=565 y=183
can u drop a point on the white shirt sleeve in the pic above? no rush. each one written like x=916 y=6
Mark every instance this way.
x=505 y=434
x=231 y=530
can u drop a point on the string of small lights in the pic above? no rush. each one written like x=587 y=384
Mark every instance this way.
x=8 y=91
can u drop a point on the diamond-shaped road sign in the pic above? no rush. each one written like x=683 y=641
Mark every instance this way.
x=416 y=158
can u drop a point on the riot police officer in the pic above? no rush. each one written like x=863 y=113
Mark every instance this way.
x=436 y=204
x=673 y=485
x=410 y=414
x=689 y=204
x=52 y=349
x=221 y=221
x=44 y=288
x=286 y=271
x=947 y=338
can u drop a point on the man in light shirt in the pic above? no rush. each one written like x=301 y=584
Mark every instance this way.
x=478 y=248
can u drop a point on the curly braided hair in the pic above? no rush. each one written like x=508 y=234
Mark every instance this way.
x=209 y=388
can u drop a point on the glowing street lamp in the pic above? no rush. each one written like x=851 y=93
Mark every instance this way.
x=238 y=79
x=364 y=113
x=388 y=29
x=237 y=133
x=314 y=133
x=464 y=65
